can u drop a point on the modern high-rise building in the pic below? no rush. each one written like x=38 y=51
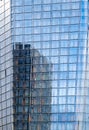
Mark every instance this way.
x=44 y=65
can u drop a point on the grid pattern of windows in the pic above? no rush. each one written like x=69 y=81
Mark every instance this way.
x=56 y=69
x=58 y=30
x=31 y=97
x=6 y=71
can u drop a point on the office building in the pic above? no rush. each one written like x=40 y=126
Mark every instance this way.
x=44 y=57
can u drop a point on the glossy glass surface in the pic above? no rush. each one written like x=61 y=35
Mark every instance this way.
x=57 y=82
x=6 y=71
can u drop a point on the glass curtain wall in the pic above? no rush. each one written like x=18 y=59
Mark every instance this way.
x=57 y=29
x=6 y=70
x=57 y=32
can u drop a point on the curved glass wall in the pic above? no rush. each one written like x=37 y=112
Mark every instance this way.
x=57 y=76
x=58 y=31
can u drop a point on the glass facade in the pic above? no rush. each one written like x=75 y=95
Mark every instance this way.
x=31 y=98
x=6 y=67
x=44 y=54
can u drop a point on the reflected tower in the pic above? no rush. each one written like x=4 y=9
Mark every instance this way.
x=44 y=73
x=32 y=89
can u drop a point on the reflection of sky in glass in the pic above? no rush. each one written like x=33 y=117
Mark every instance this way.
x=58 y=31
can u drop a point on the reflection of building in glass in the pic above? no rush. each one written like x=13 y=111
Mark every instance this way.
x=57 y=32
x=32 y=98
